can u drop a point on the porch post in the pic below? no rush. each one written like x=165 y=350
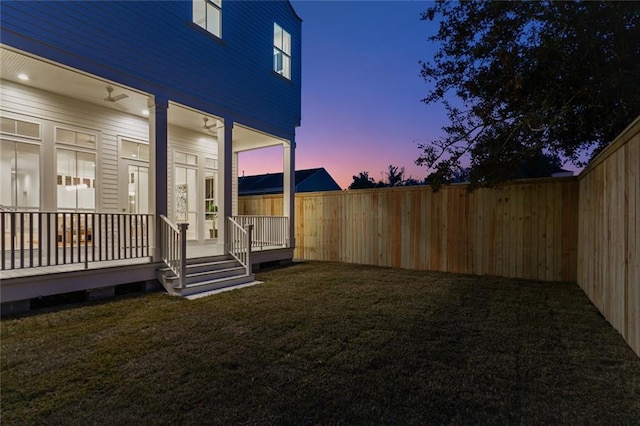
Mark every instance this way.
x=289 y=188
x=225 y=178
x=158 y=165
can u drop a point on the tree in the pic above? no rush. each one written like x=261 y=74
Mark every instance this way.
x=395 y=176
x=521 y=78
x=362 y=181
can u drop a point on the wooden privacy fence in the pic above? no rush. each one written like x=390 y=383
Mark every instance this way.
x=528 y=229
x=584 y=229
x=609 y=234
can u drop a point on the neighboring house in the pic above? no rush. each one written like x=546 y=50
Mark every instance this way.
x=310 y=180
x=121 y=121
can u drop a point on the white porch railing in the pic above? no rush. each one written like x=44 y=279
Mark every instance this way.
x=239 y=238
x=31 y=239
x=173 y=247
x=268 y=231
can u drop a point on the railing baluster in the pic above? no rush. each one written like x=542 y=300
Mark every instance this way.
x=93 y=236
x=76 y=243
x=100 y=236
x=12 y=218
x=113 y=237
x=30 y=214
x=64 y=238
x=21 y=239
x=4 y=236
x=86 y=242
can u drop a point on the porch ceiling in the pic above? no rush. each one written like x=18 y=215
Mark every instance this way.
x=53 y=78
x=245 y=139
x=61 y=80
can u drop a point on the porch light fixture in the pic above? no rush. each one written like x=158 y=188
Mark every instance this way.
x=22 y=76
x=145 y=112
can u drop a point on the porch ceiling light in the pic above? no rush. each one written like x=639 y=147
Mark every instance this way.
x=22 y=76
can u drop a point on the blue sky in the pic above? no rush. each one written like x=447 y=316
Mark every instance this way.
x=361 y=90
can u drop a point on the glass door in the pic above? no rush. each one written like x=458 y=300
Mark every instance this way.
x=210 y=207
x=186 y=198
x=138 y=189
x=20 y=175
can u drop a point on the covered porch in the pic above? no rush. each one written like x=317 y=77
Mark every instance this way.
x=92 y=170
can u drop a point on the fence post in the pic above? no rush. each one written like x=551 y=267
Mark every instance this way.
x=183 y=252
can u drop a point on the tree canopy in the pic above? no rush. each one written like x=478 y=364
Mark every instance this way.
x=394 y=177
x=525 y=79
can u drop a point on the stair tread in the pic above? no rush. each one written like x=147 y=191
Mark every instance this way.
x=215 y=271
x=219 y=280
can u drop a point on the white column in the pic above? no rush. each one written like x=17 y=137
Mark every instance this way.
x=234 y=185
x=289 y=187
x=225 y=178
x=158 y=164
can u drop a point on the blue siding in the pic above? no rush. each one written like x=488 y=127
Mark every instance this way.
x=153 y=46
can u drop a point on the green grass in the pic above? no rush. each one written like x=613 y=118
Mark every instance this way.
x=325 y=343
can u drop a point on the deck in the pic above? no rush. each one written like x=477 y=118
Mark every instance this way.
x=22 y=284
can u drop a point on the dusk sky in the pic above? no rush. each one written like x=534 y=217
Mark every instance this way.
x=361 y=90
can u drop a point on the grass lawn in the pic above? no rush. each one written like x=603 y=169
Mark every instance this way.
x=325 y=343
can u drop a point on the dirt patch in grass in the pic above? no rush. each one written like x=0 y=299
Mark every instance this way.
x=325 y=343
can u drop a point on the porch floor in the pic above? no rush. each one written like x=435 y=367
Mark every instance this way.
x=194 y=250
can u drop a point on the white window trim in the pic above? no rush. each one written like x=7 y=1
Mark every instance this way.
x=18 y=117
x=282 y=72
x=215 y=4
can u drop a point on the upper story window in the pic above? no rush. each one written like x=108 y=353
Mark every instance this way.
x=281 y=51
x=208 y=14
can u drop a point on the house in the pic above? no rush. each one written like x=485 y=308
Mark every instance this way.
x=309 y=180
x=121 y=128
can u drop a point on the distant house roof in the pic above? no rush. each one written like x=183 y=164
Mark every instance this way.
x=309 y=180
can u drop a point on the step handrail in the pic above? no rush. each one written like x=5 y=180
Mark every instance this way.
x=173 y=247
x=239 y=240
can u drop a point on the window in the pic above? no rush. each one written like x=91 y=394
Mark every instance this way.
x=281 y=51
x=70 y=137
x=76 y=180
x=19 y=174
x=75 y=170
x=135 y=150
x=208 y=15
x=19 y=127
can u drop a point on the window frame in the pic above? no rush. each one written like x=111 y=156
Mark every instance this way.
x=215 y=5
x=77 y=149
x=281 y=49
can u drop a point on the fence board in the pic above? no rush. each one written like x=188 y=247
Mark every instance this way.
x=524 y=230
x=608 y=254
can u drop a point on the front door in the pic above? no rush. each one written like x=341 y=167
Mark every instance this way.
x=137 y=188
x=186 y=198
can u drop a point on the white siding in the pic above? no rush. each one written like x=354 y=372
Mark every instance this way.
x=53 y=110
